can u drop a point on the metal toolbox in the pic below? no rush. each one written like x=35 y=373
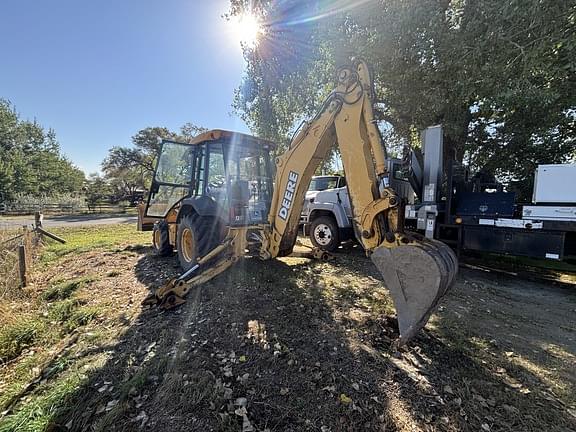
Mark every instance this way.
x=512 y=241
x=555 y=184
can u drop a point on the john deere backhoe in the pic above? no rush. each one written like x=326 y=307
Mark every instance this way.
x=217 y=201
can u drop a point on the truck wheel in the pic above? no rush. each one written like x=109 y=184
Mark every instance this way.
x=161 y=239
x=195 y=238
x=324 y=233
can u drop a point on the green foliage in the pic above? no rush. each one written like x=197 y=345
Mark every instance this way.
x=30 y=159
x=499 y=75
x=70 y=314
x=61 y=311
x=63 y=290
x=38 y=414
x=97 y=189
x=17 y=336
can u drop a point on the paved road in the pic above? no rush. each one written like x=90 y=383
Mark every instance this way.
x=67 y=221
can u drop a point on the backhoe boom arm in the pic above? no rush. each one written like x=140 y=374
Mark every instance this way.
x=347 y=120
x=417 y=271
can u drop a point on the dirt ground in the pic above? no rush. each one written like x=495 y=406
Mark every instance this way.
x=300 y=345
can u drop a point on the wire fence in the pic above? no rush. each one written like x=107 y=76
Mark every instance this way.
x=48 y=208
x=17 y=249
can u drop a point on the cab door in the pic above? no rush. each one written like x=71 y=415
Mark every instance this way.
x=173 y=178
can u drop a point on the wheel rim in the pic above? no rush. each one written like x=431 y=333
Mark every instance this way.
x=187 y=245
x=323 y=234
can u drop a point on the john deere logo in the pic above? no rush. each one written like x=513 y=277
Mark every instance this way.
x=288 y=195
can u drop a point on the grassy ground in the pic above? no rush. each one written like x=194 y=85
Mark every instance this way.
x=39 y=327
x=289 y=344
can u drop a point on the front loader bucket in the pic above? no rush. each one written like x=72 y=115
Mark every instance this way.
x=417 y=276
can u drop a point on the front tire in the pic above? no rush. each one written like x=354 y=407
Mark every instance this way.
x=324 y=233
x=161 y=239
x=195 y=238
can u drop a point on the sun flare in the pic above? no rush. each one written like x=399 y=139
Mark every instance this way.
x=247 y=29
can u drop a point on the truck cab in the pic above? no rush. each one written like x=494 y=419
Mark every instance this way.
x=327 y=214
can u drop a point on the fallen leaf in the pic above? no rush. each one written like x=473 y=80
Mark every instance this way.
x=510 y=409
x=246 y=425
x=100 y=409
x=111 y=404
x=240 y=411
x=485 y=427
x=448 y=389
x=355 y=386
x=142 y=418
x=243 y=378
x=242 y=358
x=345 y=399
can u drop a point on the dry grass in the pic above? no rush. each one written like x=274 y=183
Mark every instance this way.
x=9 y=282
x=304 y=345
x=40 y=327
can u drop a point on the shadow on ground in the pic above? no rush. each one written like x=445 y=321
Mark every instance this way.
x=295 y=345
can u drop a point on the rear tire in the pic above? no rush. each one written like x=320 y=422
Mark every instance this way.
x=324 y=233
x=161 y=239
x=195 y=238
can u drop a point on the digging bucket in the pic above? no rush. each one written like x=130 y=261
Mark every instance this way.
x=417 y=275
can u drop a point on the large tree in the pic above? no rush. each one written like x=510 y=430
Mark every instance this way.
x=30 y=158
x=498 y=74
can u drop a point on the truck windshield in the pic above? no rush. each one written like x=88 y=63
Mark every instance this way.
x=323 y=183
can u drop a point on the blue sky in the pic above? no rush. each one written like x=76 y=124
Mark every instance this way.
x=99 y=71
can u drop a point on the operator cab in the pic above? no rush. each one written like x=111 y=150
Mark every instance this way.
x=222 y=174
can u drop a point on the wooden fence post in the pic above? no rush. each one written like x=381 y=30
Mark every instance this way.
x=22 y=264
x=38 y=219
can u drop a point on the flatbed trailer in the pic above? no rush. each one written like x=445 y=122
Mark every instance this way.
x=483 y=217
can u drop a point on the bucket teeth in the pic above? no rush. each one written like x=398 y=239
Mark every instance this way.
x=417 y=275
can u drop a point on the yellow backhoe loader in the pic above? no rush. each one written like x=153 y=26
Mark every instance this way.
x=218 y=202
